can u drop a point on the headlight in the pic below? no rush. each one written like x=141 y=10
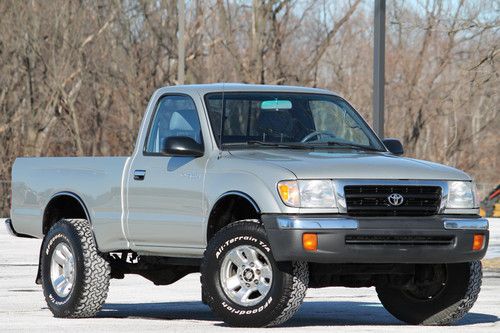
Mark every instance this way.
x=307 y=193
x=461 y=195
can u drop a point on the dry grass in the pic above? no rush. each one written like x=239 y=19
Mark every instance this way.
x=491 y=264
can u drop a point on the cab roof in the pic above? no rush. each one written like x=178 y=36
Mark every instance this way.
x=203 y=89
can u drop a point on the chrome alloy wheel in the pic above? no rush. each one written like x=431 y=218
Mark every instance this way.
x=62 y=270
x=246 y=275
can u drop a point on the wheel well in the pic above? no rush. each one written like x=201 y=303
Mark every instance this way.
x=62 y=206
x=230 y=208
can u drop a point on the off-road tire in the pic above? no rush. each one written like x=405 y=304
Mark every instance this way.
x=289 y=285
x=92 y=271
x=451 y=304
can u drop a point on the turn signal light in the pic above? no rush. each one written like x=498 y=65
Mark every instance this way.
x=478 y=242
x=310 y=242
x=289 y=192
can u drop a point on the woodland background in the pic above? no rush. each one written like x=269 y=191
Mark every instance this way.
x=75 y=76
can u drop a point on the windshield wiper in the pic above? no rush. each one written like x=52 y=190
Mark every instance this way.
x=269 y=144
x=351 y=145
x=309 y=145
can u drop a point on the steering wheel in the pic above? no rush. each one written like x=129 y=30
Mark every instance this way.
x=314 y=134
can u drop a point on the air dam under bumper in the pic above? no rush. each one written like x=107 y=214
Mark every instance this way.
x=345 y=239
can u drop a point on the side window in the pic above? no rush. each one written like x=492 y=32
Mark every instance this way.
x=174 y=116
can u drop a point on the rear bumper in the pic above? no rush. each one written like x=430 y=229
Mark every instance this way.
x=344 y=239
x=12 y=231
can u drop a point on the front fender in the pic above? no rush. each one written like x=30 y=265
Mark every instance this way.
x=257 y=181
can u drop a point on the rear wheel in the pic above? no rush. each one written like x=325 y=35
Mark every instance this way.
x=75 y=278
x=243 y=284
x=437 y=295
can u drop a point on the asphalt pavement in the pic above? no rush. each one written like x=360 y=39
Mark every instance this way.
x=135 y=304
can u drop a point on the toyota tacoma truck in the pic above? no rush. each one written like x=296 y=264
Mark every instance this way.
x=265 y=190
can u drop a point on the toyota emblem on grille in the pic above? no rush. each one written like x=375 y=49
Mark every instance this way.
x=395 y=199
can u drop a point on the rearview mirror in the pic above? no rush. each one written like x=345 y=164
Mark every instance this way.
x=276 y=105
x=182 y=146
x=394 y=146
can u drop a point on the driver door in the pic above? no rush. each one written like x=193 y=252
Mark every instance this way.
x=165 y=192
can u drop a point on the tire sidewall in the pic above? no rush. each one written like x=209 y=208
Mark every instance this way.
x=62 y=232
x=218 y=249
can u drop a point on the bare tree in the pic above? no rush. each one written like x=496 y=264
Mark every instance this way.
x=76 y=82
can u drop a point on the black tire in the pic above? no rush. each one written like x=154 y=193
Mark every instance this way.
x=450 y=303
x=288 y=287
x=91 y=270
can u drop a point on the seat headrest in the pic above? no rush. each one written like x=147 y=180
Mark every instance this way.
x=184 y=120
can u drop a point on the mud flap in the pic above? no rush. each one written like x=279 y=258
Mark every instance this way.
x=38 y=279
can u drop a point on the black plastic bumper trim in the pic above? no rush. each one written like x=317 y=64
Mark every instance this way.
x=286 y=244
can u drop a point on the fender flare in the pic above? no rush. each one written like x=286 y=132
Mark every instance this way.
x=240 y=194
x=74 y=196
x=224 y=195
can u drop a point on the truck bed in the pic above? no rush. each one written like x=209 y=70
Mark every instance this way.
x=95 y=180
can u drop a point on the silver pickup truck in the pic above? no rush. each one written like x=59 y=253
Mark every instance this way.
x=265 y=190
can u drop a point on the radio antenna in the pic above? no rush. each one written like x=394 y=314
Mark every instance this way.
x=222 y=118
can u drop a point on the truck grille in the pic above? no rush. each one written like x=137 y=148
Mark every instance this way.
x=373 y=200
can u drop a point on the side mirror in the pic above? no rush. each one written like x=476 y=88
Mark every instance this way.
x=182 y=146
x=394 y=146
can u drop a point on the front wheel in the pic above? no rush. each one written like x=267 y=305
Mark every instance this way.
x=242 y=282
x=437 y=295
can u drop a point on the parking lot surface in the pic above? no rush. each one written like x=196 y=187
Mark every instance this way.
x=135 y=304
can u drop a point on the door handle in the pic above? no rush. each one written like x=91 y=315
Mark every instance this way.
x=139 y=174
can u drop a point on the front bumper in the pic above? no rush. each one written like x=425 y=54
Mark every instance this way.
x=345 y=239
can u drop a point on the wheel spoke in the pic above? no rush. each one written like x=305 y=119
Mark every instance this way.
x=243 y=294
x=68 y=286
x=67 y=253
x=62 y=286
x=233 y=282
x=251 y=255
x=59 y=281
x=237 y=258
x=266 y=272
x=263 y=288
x=59 y=257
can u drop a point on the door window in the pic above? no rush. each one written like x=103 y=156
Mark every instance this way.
x=174 y=116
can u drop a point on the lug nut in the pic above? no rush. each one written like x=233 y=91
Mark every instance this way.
x=256 y=281
x=257 y=271
x=248 y=285
x=252 y=264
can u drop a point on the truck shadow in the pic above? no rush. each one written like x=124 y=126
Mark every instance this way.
x=311 y=313
x=361 y=313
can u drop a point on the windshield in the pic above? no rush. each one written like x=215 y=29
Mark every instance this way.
x=287 y=120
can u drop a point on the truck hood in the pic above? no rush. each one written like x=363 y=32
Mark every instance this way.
x=336 y=164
